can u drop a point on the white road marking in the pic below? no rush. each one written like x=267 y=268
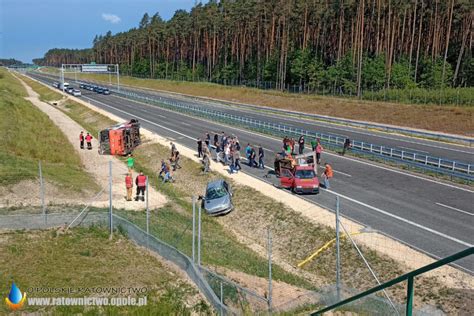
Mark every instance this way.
x=413 y=150
x=401 y=219
x=185 y=124
x=455 y=209
x=161 y=116
x=344 y=174
x=330 y=191
x=326 y=153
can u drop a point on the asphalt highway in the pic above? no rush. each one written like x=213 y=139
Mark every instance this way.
x=416 y=145
x=429 y=215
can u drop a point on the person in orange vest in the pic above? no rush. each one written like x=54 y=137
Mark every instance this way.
x=129 y=186
x=88 y=141
x=328 y=173
x=81 y=139
x=140 y=181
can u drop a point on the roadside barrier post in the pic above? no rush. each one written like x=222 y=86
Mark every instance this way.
x=110 y=198
x=199 y=236
x=269 y=270
x=147 y=215
x=338 y=258
x=43 y=206
x=222 y=299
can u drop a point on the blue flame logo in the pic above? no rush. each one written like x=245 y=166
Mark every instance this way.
x=15 y=299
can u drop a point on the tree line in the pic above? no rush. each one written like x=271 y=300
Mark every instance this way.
x=344 y=45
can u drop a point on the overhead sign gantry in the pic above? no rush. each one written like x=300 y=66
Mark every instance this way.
x=111 y=69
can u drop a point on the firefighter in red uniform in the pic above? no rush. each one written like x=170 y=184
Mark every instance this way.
x=140 y=181
x=81 y=139
x=129 y=186
x=89 y=141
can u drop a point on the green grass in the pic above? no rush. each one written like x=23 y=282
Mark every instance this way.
x=87 y=258
x=46 y=94
x=88 y=119
x=29 y=136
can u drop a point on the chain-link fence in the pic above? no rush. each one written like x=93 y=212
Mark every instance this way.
x=252 y=262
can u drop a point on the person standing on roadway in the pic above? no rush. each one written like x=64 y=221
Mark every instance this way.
x=140 y=181
x=319 y=150
x=347 y=145
x=207 y=140
x=261 y=155
x=199 y=143
x=129 y=186
x=313 y=144
x=328 y=174
x=301 y=144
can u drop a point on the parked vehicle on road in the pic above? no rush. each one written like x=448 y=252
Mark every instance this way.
x=218 y=198
x=55 y=84
x=106 y=91
x=69 y=90
x=76 y=93
x=298 y=174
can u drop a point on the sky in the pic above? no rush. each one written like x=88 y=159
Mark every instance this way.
x=28 y=28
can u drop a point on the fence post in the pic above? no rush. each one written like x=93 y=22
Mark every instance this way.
x=110 y=198
x=269 y=269
x=222 y=299
x=338 y=257
x=147 y=215
x=194 y=229
x=199 y=236
x=43 y=207
x=409 y=303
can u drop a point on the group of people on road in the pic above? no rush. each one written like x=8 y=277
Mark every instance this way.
x=227 y=151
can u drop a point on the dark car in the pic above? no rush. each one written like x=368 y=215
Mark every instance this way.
x=99 y=90
x=106 y=91
x=218 y=198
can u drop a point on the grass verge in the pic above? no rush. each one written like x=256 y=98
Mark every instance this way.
x=85 y=258
x=46 y=94
x=29 y=136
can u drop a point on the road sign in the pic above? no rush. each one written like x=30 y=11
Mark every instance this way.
x=94 y=68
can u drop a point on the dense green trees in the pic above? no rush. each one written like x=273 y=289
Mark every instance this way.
x=343 y=46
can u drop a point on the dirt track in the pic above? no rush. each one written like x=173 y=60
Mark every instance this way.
x=95 y=164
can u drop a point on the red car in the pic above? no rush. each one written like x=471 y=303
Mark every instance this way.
x=300 y=179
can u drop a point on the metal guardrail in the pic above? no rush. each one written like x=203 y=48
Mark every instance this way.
x=407 y=131
x=409 y=277
x=429 y=163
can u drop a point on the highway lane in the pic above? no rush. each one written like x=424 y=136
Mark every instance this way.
x=421 y=146
x=411 y=198
x=417 y=145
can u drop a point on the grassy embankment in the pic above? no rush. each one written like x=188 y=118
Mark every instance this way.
x=446 y=118
x=87 y=258
x=29 y=136
x=294 y=236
